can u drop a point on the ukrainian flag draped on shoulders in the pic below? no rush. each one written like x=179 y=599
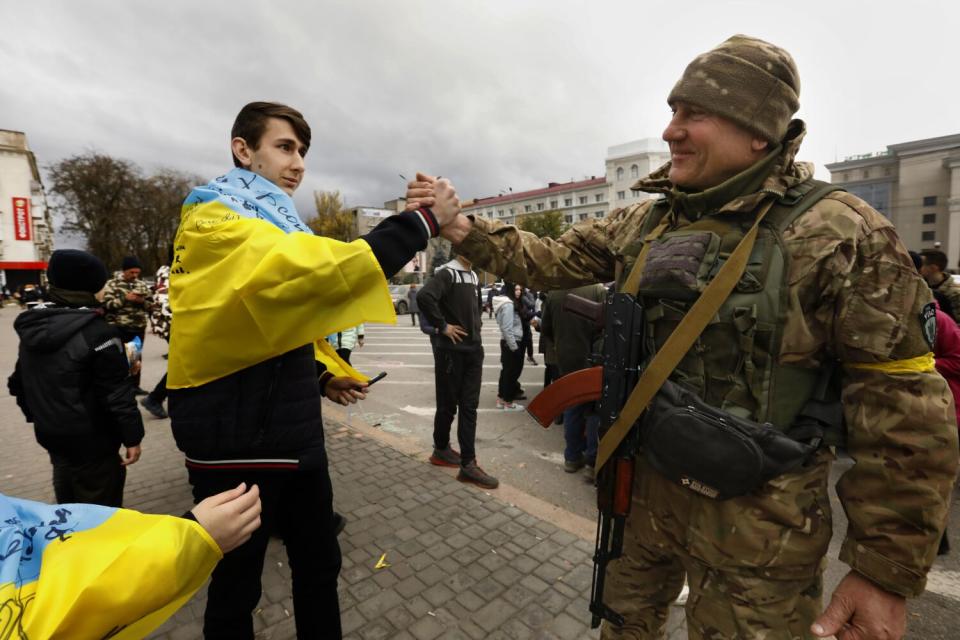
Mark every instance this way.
x=83 y=571
x=250 y=281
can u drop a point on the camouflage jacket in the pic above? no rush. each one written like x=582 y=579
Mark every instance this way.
x=855 y=298
x=950 y=290
x=160 y=314
x=123 y=312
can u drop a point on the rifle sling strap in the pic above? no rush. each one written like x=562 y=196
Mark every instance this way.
x=682 y=338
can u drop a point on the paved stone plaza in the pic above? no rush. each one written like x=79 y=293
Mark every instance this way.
x=463 y=563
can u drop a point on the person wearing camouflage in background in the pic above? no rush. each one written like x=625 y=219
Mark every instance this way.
x=945 y=289
x=850 y=296
x=126 y=300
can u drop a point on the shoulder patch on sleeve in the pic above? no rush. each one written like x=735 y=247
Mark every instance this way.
x=928 y=323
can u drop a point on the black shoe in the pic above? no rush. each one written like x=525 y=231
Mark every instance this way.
x=533 y=361
x=474 y=474
x=166 y=356
x=558 y=419
x=339 y=522
x=520 y=396
x=140 y=392
x=448 y=457
x=154 y=407
x=572 y=466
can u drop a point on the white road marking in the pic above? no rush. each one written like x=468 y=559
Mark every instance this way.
x=429 y=411
x=945 y=583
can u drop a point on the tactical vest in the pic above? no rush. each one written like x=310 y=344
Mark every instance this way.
x=733 y=365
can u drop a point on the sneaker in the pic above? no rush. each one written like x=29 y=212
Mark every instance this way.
x=339 y=522
x=445 y=457
x=140 y=391
x=512 y=406
x=474 y=474
x=499 y=402
x=154 y=407
x=572 y=466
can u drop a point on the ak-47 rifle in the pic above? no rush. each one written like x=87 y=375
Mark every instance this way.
x=622 y=319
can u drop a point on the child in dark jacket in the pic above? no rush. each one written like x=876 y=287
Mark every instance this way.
x=72 y=381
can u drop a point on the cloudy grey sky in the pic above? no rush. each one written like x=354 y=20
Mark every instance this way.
x=493 y=94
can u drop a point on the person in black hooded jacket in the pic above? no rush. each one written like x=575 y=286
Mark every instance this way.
x=72 y=382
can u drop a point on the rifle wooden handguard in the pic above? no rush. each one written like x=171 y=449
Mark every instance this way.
x=564 y=393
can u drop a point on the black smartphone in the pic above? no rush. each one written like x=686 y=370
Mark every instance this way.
x=376 y=378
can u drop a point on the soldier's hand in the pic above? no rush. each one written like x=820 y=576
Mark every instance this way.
x=345 y=390
x=455 y=332
x=457 y=229
x=446 y=204
x=231 y=516
x=860 y=610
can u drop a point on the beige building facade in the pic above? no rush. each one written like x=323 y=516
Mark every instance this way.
x=26 y=233
x=916 y=185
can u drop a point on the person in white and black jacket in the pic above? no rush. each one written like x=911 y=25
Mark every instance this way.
x=72 y=381
x=451 y=303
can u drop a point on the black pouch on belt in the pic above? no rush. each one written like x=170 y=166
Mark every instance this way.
x=712 y=452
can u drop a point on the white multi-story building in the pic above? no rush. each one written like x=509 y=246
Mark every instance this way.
x=26 y=234
x=577 y=201
x=627 y=163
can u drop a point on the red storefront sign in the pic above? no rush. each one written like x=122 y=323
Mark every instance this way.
x=21 y=218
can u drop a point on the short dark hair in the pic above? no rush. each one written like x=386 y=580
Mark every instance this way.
x=935 y=258
x=251 y=122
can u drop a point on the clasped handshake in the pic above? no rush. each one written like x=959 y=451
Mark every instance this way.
x=441 y=198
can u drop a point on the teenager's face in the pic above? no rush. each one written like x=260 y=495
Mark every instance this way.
x=279 y=156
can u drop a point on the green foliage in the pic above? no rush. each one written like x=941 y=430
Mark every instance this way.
x=332 y=220
x=549 y=224
x=119 y=210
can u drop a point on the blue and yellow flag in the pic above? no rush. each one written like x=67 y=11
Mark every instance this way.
x=85 y=571
x=250 y=281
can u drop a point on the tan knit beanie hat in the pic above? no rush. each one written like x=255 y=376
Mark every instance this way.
x=746 y=80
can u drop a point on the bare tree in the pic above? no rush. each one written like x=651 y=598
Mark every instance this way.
x=95 y=193
x=117 y=209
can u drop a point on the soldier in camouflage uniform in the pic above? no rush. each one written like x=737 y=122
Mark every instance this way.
x=126 y=300
x=850 y=297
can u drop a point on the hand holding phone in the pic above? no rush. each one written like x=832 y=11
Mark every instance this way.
x=376 y=378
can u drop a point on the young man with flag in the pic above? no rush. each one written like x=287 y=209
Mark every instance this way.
x=254 y=293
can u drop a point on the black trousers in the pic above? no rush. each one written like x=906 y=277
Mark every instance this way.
x=550 y=373
x=511 y=366
x=297 y=507
x=159 y=392
x=127 y=334
x=527 y=344
x=457 y=376
x=98 y=480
